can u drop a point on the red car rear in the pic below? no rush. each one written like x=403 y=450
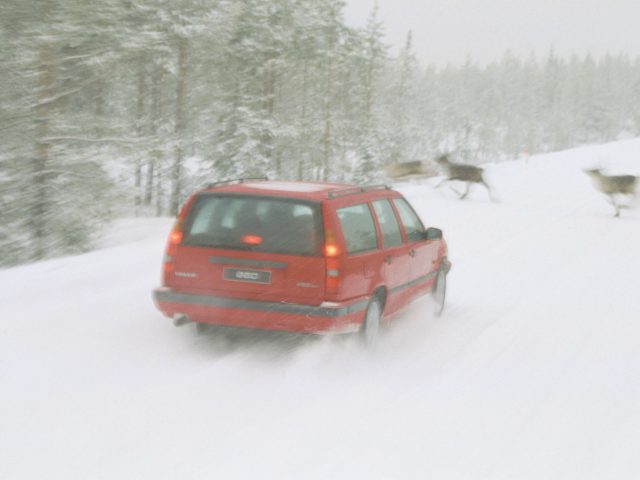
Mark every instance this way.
x=302 y=257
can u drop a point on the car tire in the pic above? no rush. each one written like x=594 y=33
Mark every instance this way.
x=203 y=329
x=371 y=325
x=439 y=292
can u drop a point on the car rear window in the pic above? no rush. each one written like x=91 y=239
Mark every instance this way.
x=410 y=220
x=358 y=228
x=391 y=235
x=256 y=223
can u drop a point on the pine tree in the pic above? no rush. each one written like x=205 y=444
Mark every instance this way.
x=50 y=175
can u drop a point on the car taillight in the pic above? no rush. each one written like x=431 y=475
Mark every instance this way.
x=252 y=239
x=175 y=238
x=332 y=260
x=332 y=283
x=167 y=271
x=331 y=250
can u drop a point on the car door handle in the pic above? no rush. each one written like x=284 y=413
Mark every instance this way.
x=412 y=253
x=388 y=259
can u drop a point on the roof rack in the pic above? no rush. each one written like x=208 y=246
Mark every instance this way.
x=343 y=191
x=234 y=180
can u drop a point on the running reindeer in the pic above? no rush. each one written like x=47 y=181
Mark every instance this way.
x=464 y=173
x=612 y=185
x=453 y=171
x=414 y=169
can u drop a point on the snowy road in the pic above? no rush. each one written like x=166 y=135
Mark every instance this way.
x=533 y=372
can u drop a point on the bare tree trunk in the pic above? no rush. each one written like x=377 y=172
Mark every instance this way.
x=159 y=192
x=99 y=106
x=148 y=190
x=303 y=120
x=176 y=171
x=154 y=157
x=326 y=154
x=139 y=115
x=369 y=93
x=269 y=93
x=38 y=214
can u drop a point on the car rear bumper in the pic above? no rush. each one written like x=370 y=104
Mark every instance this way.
x=329 y=317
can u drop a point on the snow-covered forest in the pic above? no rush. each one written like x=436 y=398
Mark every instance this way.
x=113 y=107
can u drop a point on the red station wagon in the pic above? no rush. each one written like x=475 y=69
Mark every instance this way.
x=299 y=256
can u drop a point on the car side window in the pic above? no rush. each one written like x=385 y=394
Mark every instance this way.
x=358 y=228
x=410 y=220
x=391 y=234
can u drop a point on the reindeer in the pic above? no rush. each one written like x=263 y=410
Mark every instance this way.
x=408 y=170
x=464 y=173
x=612 y=185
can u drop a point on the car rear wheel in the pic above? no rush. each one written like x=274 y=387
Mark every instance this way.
x=371 y=325
x=204 y=328
x=439 y=292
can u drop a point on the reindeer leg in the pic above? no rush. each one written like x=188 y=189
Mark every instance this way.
x=627 y=204
x=444 y=180
x=466 y=192
x=486 y=185
x=612 y=200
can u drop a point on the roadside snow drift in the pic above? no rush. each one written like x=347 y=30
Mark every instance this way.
x=533 y=371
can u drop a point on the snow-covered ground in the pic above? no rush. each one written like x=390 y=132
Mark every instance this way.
x=533 y=372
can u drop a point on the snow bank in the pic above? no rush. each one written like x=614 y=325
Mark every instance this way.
x=531 y=373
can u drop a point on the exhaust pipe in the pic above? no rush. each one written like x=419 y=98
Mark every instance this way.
x=180 y=319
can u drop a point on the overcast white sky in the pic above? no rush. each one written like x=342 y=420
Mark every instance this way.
x=447 y=31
